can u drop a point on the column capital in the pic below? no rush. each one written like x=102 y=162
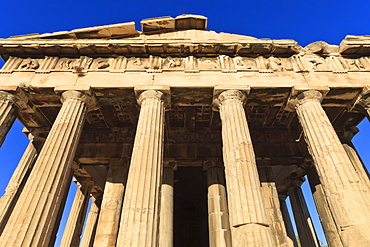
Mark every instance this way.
x=171 y=163
x=162 y=93
x=151 y=94
x=16 y=97
x=78 y=95
x=230 y=94
x=364 y=101
x=304 y=97
x=210 y=163
x=7 y=96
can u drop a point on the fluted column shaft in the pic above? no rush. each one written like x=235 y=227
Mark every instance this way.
x=306 y=231
x=271 y=199
x=8 y=111
x=358 y=165
x=33 y=218
x=140 y=211
x=166 y=214
x=248 y=219
x=110 y=209
x=218 y=212
x=76 y=218
x=287 y=220
x=90 y=228
x=326 y=217
x=17 y=182
x=347 y=200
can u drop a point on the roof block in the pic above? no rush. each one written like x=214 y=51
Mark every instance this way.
x=186 y=22
x=107 y=31
x=156 y=25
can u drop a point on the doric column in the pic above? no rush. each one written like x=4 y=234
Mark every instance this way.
x=90 y=228
x=140 y=211
x=218 y=212
x=347 y=200
x=33 y=218
x=326 y=216
x=287 y=220
x=76 y=218
x=271 y=199
x=248 y=218
x=18 y=179
x=303 y=221
x=166 y=214
x=110 y=210
x=8 y=111
x=358 y=165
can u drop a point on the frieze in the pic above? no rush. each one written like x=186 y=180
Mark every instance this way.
x=190 y=64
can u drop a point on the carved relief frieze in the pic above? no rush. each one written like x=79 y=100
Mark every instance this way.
x=209 y=64
x=30 y=64
x=173 y=63
x=316 y=63
x=101 y=64
x=189 y=64
x=65 y=63
x=137 y=64
x=354 y=64
x=245 y=64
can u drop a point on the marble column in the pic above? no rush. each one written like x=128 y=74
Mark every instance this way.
x=8 y=111
x=347 y=200
x=358 y=165
x=140 y=211
x=90 y=228
x=34 y=216
x=248 y=217
x=76 y=218
x=218 y=212
x=303 y=221
x=326 y=216
x=18 y=179
x=287 y=220
x=271 y=199
x=111 y=206
x=166 y=214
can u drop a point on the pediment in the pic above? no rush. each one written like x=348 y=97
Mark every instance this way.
x=183 y=35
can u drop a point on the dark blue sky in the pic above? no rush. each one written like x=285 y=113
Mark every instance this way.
x=303 y=21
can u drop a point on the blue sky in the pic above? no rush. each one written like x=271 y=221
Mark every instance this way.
x=303 y=21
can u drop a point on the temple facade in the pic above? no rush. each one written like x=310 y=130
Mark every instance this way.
x=179 y=136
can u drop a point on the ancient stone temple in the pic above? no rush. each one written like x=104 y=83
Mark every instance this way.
x=179 y=136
